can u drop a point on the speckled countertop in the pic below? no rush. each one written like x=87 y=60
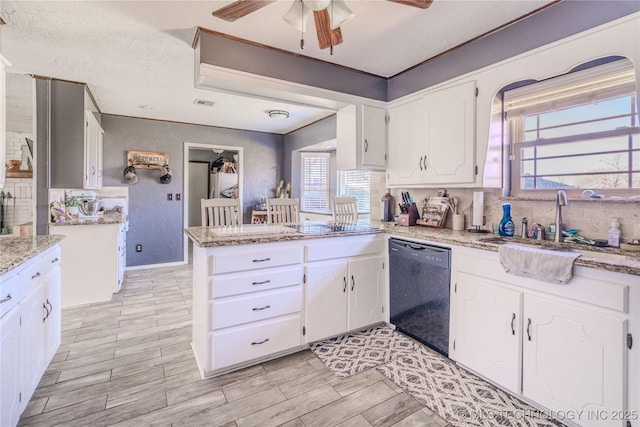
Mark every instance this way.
x=264 y=233
x=102 y=219
x=626 y=261
x=610 y=259
x=16 y=250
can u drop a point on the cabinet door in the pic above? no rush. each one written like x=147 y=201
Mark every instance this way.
x=406 y=134
x=93 y=152
x=53 y=301
x=366 y=291
x=326 y=299
x=574 y=359
x=374 y=137
x=449 y=150
x=10 y=361
x=34 y=313
x=488 y=330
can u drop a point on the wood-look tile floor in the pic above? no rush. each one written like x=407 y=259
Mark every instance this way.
x=129 y=362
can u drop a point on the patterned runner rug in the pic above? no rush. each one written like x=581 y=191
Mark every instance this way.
x=458 y=396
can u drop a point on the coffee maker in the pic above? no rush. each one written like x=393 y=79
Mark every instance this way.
x=89 y=204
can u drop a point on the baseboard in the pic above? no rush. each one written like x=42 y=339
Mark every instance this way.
x=144 y=267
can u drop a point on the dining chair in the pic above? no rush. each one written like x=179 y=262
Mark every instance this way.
x=220 y=212
x=344 y=209
x=280 y=210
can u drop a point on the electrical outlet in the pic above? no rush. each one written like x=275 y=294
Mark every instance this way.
x=169 y=196
x=178 y=197
x=138 y=247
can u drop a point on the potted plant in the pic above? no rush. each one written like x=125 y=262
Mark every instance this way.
x=71 y=204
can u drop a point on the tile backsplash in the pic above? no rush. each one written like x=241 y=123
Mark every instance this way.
x=592 y=217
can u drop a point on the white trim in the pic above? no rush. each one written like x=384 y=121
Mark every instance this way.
x=166 y=264
x=185 y=182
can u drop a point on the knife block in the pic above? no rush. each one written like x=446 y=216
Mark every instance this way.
x=410 y=218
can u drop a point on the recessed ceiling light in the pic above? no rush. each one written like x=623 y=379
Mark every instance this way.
x=203 y=102
x=279 y=114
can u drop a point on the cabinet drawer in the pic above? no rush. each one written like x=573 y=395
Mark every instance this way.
x=10 y=292
x=252 y=260
x=243 y=343
x=255 y=307
x=254 y=281
x=343 y=247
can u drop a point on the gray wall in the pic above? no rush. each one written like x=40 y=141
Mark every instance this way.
x=155 y=222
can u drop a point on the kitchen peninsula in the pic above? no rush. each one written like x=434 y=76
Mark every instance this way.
x=261 y=291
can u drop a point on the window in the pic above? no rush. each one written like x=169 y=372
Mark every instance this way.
x=577 y=131
x=320 y=181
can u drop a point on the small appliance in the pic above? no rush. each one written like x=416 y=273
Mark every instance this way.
x=89 y=203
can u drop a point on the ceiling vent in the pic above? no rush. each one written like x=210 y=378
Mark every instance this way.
x=203 y=103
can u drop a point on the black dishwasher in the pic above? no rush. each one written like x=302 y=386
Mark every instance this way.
x=419 y=280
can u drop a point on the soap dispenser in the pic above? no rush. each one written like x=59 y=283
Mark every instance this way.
x=506 y=227
x=614 y=233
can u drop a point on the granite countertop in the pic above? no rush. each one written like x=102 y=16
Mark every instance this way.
x=16 y=250
x=265 y=233
x=102 y=219
x=611 y=259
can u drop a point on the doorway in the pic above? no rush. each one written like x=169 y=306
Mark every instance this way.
x=210 y=171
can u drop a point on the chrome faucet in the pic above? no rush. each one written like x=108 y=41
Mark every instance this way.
x=561 y=200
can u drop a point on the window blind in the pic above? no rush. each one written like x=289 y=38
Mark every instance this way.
x=315 y=191
x=356 y=183
x=603 y=82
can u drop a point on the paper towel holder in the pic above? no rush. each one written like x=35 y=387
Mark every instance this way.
x=477 y=218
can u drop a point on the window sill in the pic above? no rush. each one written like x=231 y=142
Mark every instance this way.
x=609 y=199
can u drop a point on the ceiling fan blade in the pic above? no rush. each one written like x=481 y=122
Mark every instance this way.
x=326 y=36
x=422 y=4
x=240 y=8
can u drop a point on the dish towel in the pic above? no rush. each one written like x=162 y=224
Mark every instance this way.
x=542 y=264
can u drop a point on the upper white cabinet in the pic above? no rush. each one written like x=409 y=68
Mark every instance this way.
x=432 y=138
x=361 y=138
x=76 y=138
x=3 y=119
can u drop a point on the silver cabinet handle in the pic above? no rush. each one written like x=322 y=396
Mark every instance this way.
x=344 y=287
x=261 y=342
x=513 y=319
x=262 y=260
x=366 y=145
x=36 y=275
x=261 y=308
x=261 y=283
x=420 y=162
x=529 y=329
x=50 y=307
x=425 y=162
x=5 y=299
x=353 y=283
x=46 y=315
x=56 y=259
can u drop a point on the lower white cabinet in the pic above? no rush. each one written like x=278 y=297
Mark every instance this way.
x=29 y=331
x=343 y=295
x=562 y=352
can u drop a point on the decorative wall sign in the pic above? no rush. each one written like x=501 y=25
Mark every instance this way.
x=147 y=159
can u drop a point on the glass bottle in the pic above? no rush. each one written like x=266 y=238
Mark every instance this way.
x=506 y=227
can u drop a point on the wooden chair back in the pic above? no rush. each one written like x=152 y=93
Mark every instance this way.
x=281 y=211
x=220 y=212
x=344 y=209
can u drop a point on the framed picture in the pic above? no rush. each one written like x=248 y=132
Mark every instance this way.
x=147 y=159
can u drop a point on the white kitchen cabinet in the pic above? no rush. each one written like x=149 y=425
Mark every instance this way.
x=92 y=269
x=30 y=330
x=122 y=252
x=361 y=138
x=574 y=358
x=488 y=336
x=560 y=346
x=432 y=138
x=345 y=286
x=93 y=152
x=248 y=303
x=76 y=137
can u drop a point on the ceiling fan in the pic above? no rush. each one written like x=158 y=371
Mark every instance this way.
x=328 y=15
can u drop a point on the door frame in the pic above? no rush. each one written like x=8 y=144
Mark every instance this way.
x=188 y=146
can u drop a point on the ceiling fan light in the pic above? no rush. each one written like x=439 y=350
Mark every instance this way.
x=339 y=13
x=279 y=114
x=297 y=16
